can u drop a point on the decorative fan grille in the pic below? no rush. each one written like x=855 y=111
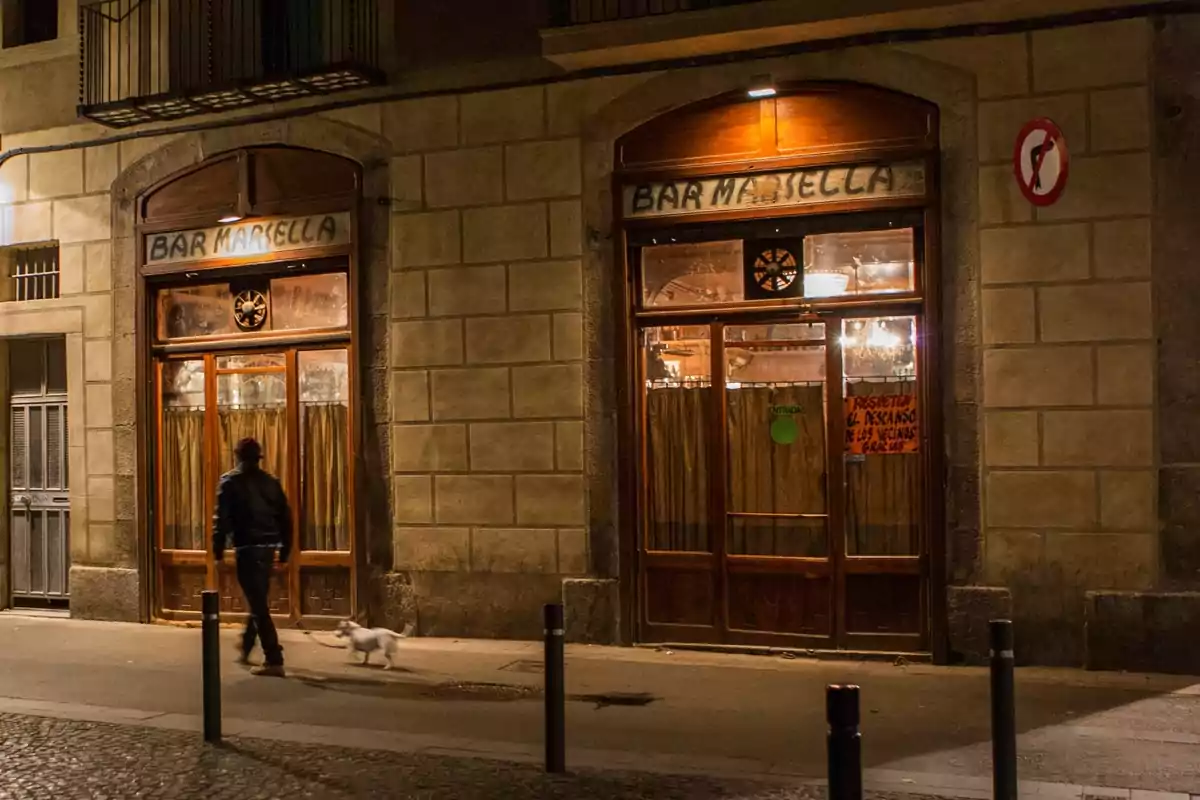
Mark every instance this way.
x=775 y=269
x=250 y=309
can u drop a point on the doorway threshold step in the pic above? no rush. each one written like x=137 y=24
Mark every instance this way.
x=895 y=657
x=43 y=613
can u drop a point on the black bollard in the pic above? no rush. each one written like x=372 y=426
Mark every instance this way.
x=556 y=699
x=1004 y=714
x=210 y=643
x=845 y=743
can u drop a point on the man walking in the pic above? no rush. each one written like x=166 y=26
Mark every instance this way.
x=253 y=512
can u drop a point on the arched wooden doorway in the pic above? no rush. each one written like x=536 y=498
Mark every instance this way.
x=247 y=266
x=780 y=280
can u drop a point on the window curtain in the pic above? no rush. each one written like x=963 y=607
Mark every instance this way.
x=677 y=421
x=267 y=425
x=326 y=477
x=766 y=477
x=883 y=499
x=184 y=523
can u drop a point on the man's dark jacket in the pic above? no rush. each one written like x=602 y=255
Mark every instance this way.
x=253 y=511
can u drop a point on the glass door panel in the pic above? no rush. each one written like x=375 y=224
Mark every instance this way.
x=678 y=413
x=252 y=402
x=185 y=521
x=324 y=448
x=883 y=476
x=777 y=574
x=883 y=462
x=775 y=428
x=677 y=405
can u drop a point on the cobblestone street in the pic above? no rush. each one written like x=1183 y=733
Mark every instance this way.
x=62 y=759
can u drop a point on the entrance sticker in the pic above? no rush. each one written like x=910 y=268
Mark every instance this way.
x=882 y=424
x=784 y=429
x=1041 y=162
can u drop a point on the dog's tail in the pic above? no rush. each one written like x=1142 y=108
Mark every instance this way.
x=407 y=632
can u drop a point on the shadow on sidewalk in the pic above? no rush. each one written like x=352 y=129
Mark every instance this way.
x=468 y=691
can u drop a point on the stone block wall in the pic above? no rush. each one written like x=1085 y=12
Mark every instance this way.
x=491 y=365
x=64 y=198
x=1068 y=331
x=487 y=355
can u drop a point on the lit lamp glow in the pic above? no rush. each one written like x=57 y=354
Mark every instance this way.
x=229 y=219
x=875 y=337
x=879 y=336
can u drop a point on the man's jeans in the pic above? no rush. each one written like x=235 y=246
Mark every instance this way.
x=254 y=566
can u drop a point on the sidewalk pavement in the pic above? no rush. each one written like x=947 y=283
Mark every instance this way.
x=742 y=720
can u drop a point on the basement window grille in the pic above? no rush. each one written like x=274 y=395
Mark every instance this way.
x=35 y=272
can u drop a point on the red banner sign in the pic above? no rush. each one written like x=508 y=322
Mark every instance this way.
x=886 y=423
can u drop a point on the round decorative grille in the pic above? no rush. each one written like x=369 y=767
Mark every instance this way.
x=250 y=309
x=775 y=269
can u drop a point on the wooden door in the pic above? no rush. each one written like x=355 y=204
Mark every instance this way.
x=739 y=531
x=783 y=500
x=295 y=402
x=39 y=474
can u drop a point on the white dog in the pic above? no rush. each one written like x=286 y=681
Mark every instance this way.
x=368 y=640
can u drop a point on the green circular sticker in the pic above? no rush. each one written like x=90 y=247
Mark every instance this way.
x=784 y=430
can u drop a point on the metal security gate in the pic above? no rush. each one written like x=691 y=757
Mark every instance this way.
x=39 y=474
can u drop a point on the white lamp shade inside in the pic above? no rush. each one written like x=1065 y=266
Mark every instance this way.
x=825 y=284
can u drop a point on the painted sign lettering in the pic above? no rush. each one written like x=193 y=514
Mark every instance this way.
x=245 y=239
x=882 y=424
x=802 y=187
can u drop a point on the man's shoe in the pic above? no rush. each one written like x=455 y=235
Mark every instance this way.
x=269 y=671
x=243 y=657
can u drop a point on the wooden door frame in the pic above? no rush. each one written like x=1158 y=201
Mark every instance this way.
x=148 y=280
x=838 y=564
x=293 y=484
x=923 y=302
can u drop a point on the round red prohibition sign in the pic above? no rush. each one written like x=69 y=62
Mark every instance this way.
x=1041 y=162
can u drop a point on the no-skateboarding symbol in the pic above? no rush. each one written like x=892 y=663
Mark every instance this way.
x=1041 y=162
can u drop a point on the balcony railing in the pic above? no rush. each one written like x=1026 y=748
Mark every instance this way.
x=146 y=60
x=584 y=12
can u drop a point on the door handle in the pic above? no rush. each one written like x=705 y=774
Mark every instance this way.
x=23 y=499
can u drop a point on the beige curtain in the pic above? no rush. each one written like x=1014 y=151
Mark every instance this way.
x=268 y=425
x=883 y=499
x=677 y=421
x=326 y=478
x=770 y=478
x=184 y=522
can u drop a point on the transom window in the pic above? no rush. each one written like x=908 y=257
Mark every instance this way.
x=810 y=267
x=296 y=303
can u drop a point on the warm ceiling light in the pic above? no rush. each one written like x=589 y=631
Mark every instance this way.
x=229 y=218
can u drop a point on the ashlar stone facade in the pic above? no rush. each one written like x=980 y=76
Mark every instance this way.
x=491 y=359
x=487 y=357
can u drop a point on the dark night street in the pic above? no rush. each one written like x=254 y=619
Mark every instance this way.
x=741 y=718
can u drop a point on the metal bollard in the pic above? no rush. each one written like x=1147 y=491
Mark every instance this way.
x=210 y=643
x=556 y=700
x=1004 y=715
x=845 y=743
